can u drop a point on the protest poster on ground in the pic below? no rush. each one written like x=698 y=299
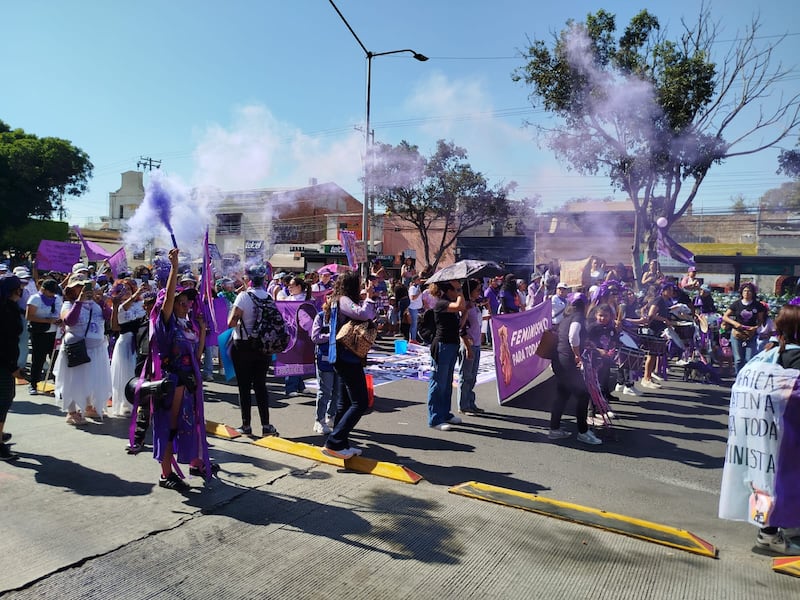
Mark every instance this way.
x=515 y=339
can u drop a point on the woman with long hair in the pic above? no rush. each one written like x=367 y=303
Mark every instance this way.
x=179 y=433
x=745 y=316
x=469 y=354
x=444 y=351
x=43 y=314
x=346 y=304
x=572 y=334
x=83 y=389
x=11 y=325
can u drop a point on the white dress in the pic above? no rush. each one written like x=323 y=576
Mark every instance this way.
x=123 y=361
x=88 y=384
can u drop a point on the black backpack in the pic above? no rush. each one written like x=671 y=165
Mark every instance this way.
x=427 y=326
x=269 y=335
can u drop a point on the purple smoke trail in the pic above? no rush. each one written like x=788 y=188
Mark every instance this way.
x=162 y=203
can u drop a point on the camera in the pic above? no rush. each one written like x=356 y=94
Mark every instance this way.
x=325 y=329
x=145 y=277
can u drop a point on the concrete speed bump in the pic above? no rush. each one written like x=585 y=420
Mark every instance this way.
x=789 y=565
x=357 y=463
x=644 y=530
x=221 y=430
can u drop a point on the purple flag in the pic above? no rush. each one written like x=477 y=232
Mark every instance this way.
x=118 y=262
x=348 y=239
x=516 y=337
x=669 y=247
x=94 y=252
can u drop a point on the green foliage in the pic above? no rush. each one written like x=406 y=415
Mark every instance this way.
x=439 y=192
x=36 y=173
x=26 y=238
x=783 y=198
x=789 y=163
x=651 y=113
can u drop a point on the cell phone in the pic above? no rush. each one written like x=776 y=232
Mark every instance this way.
x=88 y=287
x=145 y=277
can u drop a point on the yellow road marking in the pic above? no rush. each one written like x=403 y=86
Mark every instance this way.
x=645 y=530
x=357 y=463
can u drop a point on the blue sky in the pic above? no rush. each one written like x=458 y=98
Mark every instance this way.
x=268 y=93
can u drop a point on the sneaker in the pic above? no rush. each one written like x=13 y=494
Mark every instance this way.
x=467 y=413
x=454 y=420
x=589 y=438
x=134 y=448
x=269 y=430
x=650 y=384
x=619 y=388
x=442 y=427
x=610 y=414
x=33 y=391
x=558 y=434
x=6 y=437
x=343 y=454
x=6 y=453
x=293 y=394
x=329 y=421
x=173 y=482
x=321 y=428
x=656 y=376
x=245 y=430
x=682 y=362
x=778 y=543
x=475 y=409
x=355 y=451
x=200 y=470
x=629 y=391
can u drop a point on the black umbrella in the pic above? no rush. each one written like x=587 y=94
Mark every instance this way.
x=464 y=269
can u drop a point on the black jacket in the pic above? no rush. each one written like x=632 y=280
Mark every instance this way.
x=11 y=326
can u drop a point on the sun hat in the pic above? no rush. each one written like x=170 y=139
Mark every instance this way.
x=78 y=267
x=561 y=285
x=76 y=280
x=22 y=272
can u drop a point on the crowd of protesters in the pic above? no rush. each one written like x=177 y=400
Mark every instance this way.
x=104 y=337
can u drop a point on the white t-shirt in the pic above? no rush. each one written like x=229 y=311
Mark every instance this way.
x=45 y=312
x=136 y=311
x=244 y=303
x=415 y=291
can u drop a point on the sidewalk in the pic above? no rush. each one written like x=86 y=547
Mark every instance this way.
x=83 y=519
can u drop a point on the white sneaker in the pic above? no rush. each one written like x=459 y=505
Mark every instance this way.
x=629 y=391
x=619 y=387
x=650 y=384
x=454 y=420
x=656 y=376
x=558 y=434
x=329 y=422
x=321 y=428
x=779 y=543
x=589 y=438
x=442 y=427
x=681 y=362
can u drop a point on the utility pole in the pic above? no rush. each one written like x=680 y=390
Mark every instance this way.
x=146 y=161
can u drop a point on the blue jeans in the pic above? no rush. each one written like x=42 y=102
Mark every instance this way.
x=208 y=360
x=468 y=375
x=412 y=334
x=743 y=351
x=440 y=387
x=327 y=395
x=294 y=383
x=22 y=361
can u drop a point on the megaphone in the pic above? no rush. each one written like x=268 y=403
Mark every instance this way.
x=150 y=390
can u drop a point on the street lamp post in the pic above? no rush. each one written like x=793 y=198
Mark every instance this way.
x=366 y=212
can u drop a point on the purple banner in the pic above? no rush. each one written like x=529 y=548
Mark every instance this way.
x=516 y=337
x=57 y=256
x=298 y=358
x=666 y=246
x=94 y=252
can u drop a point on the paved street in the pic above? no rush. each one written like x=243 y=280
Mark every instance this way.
x=82 y=519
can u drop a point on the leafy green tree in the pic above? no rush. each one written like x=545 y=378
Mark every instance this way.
x=739 y=204
x=26 y=238
x=789 y=163
x=441 y=193
x=783 y=198
x=36 y=174
x=655 y=114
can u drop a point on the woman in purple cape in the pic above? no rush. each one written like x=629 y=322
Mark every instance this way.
x=178 y=421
